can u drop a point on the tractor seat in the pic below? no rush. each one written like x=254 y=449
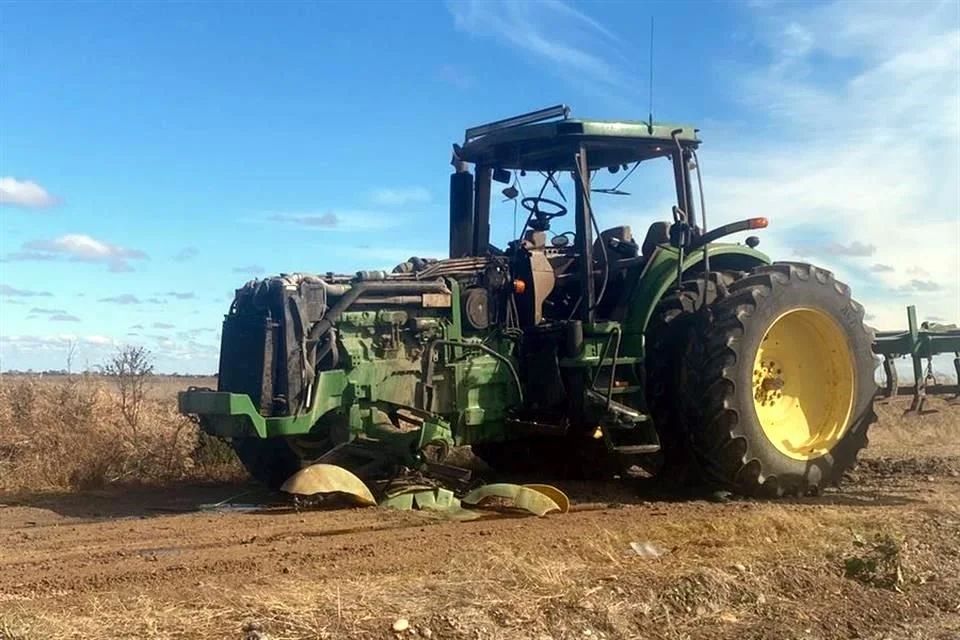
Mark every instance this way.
x=618 y=241
x=658 y=233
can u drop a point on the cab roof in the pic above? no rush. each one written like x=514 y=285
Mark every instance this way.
x=525 y=142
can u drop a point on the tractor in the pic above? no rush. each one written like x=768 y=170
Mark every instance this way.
x=680 y=355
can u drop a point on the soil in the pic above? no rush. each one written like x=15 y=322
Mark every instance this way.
x=877 y=559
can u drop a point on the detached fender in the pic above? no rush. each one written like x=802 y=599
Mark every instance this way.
x=659 y=275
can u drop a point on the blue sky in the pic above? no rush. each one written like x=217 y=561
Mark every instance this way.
x=154 y=156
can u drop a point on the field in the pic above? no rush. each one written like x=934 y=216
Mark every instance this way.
x=115 y=529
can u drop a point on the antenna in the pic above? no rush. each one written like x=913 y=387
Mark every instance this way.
x=650 y=116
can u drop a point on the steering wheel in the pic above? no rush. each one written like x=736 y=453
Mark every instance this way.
x=532 y=204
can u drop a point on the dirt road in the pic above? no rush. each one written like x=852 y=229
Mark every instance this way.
x=879 y=559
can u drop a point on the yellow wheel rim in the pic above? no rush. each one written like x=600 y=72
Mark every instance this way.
x=803 y=383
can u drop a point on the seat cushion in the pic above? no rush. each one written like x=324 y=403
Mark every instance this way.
x=658 y=233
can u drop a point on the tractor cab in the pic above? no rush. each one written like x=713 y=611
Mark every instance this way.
x=573 y=274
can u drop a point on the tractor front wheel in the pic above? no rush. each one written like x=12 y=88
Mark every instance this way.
x=780 y=383
x=269 y=461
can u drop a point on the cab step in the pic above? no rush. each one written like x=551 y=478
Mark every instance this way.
x=625 y=430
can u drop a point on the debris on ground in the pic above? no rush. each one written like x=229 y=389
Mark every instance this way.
x=646 y=550
x=877 y=561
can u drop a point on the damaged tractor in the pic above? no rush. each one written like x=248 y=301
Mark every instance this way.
x=568 y=346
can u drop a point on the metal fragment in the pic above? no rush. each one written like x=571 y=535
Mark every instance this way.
x=328 y=479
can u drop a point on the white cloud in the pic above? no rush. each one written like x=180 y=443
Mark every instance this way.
x=7 y=291
x=125 y=298
x=187 y=253
x=400 y=197
x=553 y=32
x=323 y=220
x=83 y=247
x=36 y=342
x=79 y=247
x=384 y=257
x=50 y=351
x=28 y=343
x=250 y=270
x=855 y=248
x=24 y=193
x=583 y=19
x=355 y=219
x=859 y=113
x=53 y=315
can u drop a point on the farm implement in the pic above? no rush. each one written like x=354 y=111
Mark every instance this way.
x=588 y=351
x=918 y=342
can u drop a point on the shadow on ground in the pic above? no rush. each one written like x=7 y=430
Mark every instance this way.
x=142 y=502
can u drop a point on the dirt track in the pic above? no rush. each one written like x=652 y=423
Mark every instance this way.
x=156 y=563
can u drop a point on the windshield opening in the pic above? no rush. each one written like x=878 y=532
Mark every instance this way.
x=635 y=194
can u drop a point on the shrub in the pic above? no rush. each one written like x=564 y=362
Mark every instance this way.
x=87 y=431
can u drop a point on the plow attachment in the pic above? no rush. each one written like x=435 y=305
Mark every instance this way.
x=918 y=342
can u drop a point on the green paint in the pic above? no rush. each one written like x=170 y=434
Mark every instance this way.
x=473 y=390
x=233 y=414
x=660 y=274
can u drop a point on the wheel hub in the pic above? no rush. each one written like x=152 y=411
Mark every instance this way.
x=803 y=383
x=768 y=383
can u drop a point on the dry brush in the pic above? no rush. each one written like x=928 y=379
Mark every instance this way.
x=91 y=430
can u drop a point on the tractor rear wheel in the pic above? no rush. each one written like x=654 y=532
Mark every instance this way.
x=668 y=333
x=779 y=383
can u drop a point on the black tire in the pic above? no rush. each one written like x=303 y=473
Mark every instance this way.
x=269 y=461
x=667 y=335
x=727 y=436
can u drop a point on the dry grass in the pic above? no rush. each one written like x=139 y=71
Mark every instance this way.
x=500 y=591
x=68 y=432
x=900 y=428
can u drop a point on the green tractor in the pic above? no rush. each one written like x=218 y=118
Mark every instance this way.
x=585 y=350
